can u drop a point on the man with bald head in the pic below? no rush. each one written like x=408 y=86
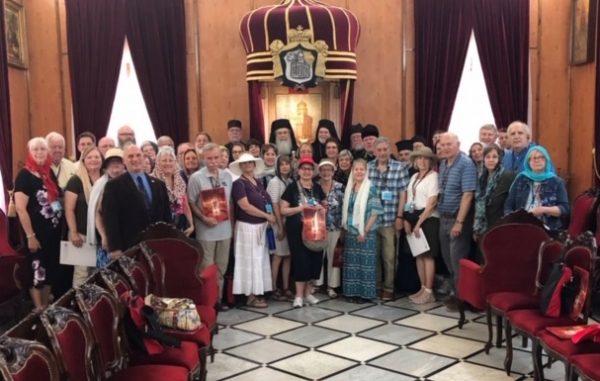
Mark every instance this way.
x=125 y=134
x=105 y=143
x=131 y=203
x=165 y=141
x=519 y=139
x=457 y=183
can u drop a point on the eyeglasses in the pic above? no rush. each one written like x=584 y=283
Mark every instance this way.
x=537 y=158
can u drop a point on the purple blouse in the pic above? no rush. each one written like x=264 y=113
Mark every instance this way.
x=257 y=196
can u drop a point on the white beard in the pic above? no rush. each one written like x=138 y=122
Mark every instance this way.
x=322 y=141
x=284 y=146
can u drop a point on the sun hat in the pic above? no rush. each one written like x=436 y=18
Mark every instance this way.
x=111 y=154
x=245 y=158
x=423 y=152
x=325 y=162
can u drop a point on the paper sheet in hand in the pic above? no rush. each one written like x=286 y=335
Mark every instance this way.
x=417 y=245
x=78 y=256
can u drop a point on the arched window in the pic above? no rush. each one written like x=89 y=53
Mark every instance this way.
x=129 y=107
x=472 y=106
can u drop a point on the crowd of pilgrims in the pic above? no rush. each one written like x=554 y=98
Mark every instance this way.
x=373 y=200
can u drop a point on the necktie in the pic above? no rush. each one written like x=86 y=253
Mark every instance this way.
x=142 y=189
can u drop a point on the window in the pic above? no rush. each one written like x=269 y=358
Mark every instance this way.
x=129 y=107
x=472 y=107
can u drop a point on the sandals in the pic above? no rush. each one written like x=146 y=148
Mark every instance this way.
x=256 y=303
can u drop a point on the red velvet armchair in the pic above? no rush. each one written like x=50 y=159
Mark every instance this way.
x=586 y=367
x=582 y=213
x=531 y=323
x=25 y=360
x=510 y=254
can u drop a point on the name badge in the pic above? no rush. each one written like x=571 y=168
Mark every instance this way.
x=269 y=208
x=386 y=196
x=56 y=206
x=409 y=207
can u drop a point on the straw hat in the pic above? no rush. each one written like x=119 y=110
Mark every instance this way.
x=245 y=158
x=425 y=152
x=112 y=153
x=325 y=162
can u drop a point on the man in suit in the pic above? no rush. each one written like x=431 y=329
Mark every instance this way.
x=132 y=202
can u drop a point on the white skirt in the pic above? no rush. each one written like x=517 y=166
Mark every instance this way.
x=252 y=270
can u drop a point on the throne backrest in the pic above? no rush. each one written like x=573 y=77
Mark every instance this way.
x=182 y=266
x=157 y=268
x=135 y=273
x=582 y=213
x=112 y=281
x=72 y=342
x=25 y=360
x=510 y=252
x=101 y=312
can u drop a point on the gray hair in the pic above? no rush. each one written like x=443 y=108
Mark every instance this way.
x=381 y=140
x=489 y=127
x=166 y=150
x=54 y=136
x=346 y=153
x=518 y=123
x=33 y=142
x=210 y=146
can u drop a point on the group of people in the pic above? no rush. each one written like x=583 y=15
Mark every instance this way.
x=246 y=201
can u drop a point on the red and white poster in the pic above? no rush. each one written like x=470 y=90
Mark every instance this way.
x=313 y=225
x=214 y=204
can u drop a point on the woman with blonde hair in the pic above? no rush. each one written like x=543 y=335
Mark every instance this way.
x=360 y=216
x=77 y=199
x=167 y=171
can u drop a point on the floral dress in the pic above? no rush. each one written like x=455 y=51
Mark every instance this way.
x=46 y=221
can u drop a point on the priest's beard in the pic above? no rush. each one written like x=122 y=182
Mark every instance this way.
x=284 y=146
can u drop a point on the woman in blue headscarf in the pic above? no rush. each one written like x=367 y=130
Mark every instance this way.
x=539 y=190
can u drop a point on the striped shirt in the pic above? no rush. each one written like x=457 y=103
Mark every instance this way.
x=454 y=180
x=394 y=180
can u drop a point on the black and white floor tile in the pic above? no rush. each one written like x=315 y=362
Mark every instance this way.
x=337 y=340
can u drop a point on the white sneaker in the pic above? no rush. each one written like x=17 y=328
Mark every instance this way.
x=298 y=302
x=332 y=294
x=311 y=299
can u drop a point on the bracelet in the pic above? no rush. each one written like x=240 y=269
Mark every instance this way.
x=459 y=222
x=30 y=235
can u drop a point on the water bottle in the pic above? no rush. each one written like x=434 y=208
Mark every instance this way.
x=271 y=239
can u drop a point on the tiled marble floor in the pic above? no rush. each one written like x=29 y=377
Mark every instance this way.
x=339 y=341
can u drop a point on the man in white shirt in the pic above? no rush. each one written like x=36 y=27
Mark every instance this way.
x=214 y=236
x=62 y=167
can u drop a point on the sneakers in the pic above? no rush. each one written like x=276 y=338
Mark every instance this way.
x=331 y=293
x=311 y=299
x=298 y=303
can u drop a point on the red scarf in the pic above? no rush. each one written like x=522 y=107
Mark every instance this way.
x=44 y=171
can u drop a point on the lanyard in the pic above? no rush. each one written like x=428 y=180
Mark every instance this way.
x=417 y=182
x=257 y=189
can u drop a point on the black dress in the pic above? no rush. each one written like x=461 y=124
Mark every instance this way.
x=306 y=264
x=46 y=222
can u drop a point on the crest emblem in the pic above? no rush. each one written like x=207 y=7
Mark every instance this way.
x=300 y=63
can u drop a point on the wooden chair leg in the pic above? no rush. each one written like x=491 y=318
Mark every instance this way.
x=569 y=373
x=488 y=319
x=524 y=341
x=536 y=356
x=498 y=331
x=461 y=310
x=509 y=350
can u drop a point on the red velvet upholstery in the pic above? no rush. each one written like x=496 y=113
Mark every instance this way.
x=112 y=281
x=182 y=268
x=209 y=295
x=151 y=373
x=509 y=301
x=533 y=321
x=510 y=252
x=185 y=357
x=208 y=315
x=565 y=347
x=582 y=213
x=25 y=360
x=201 y=336
x=587 y=365
x=101 y=312
x=72 y=342
x=135 y=273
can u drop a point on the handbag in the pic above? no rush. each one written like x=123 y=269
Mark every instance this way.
x=314 y=231
x=561 y=295
x=141 y=326
x=11 y=211
x=178 y=313
x=338 y=255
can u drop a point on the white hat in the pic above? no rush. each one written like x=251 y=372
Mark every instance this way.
x=245 y=158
